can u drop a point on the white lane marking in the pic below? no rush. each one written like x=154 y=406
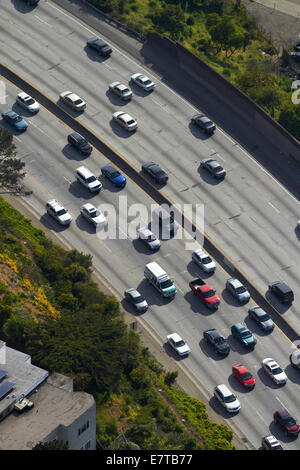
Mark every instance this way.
x=70 y=182
x=281 y=402
x=161 y=105
x=43 y=21
x=219 y=156
x=275 y=208
x=187 y=103
x=17 y=138
x=183 y=272
x=178 y=288
x=41 y=130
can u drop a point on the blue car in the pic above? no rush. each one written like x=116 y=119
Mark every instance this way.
x=243 y=335
x=114 y=176
x=14 y=120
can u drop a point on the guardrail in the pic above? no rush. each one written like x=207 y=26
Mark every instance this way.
x=156 y=195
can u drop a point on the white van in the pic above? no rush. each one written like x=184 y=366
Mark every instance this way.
x=159 y=279
x=87 y=179
x=163 y=221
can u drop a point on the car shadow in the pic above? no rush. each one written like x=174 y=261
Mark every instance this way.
x=7 y=127
x=80 y=192
x=140 y=247
x=254 y=328
x=207 y=177
x=22 y=111
x=293 y=374
x=197 y=132
x=277 y=431
x=219 y=409
x=280 y=307
x=236 y=386
x=115 y=100
x=119 y=131
x=266 y=380
x=229 y=299
x=130 y=308
x=73 y=154
x=22 y=7
x=209 y=351
x=94 y=55
x=195 y=271
x=137 y=90
x=67 y=109
x=108 y=185
x=151 y=180
x=84 y=225
x=237 y=347
x=197 y=305
x=51 y=224
x=151 y=294
x=171 y=353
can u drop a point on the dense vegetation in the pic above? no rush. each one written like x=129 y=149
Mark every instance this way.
x=221 y=33
x=51 y=309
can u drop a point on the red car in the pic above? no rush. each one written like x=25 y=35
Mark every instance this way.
x=243 y=375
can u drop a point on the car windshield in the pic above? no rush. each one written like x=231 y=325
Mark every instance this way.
x=207 y=124
x=138 y=299
x=30 y=101
x=264 y=317
x=125 y=90
x=208 y=294
x=277 y=447
x=165 y=284
x=115 y=174
x=246 y=376
x=206 y=260
x=289 y=421
x=79 y=101
x=147 y=82
x=217 y=169
x=17 y=118
x=245 y=334
x=94 y=213
x=180 y=343
x=276 y=370
x=229 y=399
x=82 y=142
x=240 y=290
x=131 y=121
x=219 y=340
x=61 y=212
x=151 y=238
x=91 y=179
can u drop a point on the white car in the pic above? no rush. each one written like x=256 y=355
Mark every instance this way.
x=203 y=260
x=58 y=212
x=73 y=100
x=121 y=90
x=125 y=120
x=27 y=102
x=93 y=215
x=270 y=443
x=274 y=371
x=227 y=398
x=148 y=237
x=143 y=81
x=178 y=344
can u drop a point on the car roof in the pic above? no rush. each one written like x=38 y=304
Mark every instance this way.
x=214 y=163
x=85 y=171
x=76 y=135
x=271 y=439
x=239 y=326
x=271 y=363
x=88 y=206
x=242 y=369
x=145 y=231
x=283 y=286
x=175 y=337
x=23 y=95
x=258 y=311
x=213 y=333
x=98 y=41
x=126 y=117
x=224 y=390
x=283 y=412
x=234 y=282
x=133 y=292
x=55 y=204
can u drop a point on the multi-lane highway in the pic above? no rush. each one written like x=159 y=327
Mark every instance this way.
x=249 y=215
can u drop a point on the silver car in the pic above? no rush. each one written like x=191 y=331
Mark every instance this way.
x=178 y=344
x=148 y=237
x=274 y=371
x=58 y=212
x=93 y=215
x=136 y=299
x=237 y=289
x=214 y=168
x=205 y=262
x=227 y=399
x=121 y=90
x=27 y=102
x=125 y=120
x=143 y=81
x=73 y=100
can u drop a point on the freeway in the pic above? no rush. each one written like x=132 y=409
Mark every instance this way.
x=249 y=216
x=50 y=164
x=163 y=132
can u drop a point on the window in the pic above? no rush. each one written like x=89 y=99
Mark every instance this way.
x=83 y=428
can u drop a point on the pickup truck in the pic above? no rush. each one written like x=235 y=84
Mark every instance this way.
x=205 y=293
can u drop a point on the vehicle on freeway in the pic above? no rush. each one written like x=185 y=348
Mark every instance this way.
x=243 y=375
x=14 y=120
x=93 y=215
x=204 y=123
x=114 y=176
x=261 y=318
x=158 y=277
x=236 y=288
x=80 y=143
x=214 y=168
x=178 y=344
x=125 y=120
x=136 y=299
x=27 y=102
x=143 y=81
x=227 y=398
x=297 y=47
x=100 y=46
x=121 y=90
x=58 y=212
x=205 y=262
x=154 y=170
x=295 y=359
x=274 y=371
x=287 y=422
x=73 y=100
x=282 y=291
x=270 y=443
x=218 y=342
x=244 y=336
x=204 y=291
x=163 y=222
x=85 y=177
x=148 y=238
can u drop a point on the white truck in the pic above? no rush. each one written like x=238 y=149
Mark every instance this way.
x=159 y=279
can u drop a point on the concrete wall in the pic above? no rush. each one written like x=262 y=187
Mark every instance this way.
x=226 y=94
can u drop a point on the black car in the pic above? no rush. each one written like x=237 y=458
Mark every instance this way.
x=213 y=167
x=99 y=45
x=80 y=143
x=262 y=319
x=297 y=47
x=154 y=170
x=204 y=123
x=282 y=291
x=219 y=343
x=287 y=422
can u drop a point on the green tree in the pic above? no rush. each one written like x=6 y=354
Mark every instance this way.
x=170 y=18
x=289 y=118
x=11 y=167
x=54 y=445
x=227 y=35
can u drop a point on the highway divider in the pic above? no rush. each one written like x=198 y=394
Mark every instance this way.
x=127 y=168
